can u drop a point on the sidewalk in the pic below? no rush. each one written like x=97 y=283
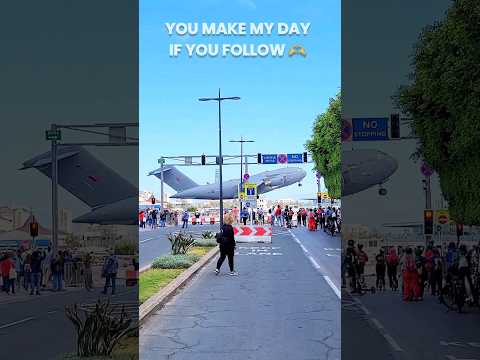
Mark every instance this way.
x=279 y=307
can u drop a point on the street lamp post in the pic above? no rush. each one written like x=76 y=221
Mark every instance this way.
x=220 y=158
x=241 y=141
x=54 y=238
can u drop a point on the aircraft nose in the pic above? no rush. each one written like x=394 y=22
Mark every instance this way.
x=301 y=173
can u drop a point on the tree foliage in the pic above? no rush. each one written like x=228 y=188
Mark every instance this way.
x=443 y=100
x=325 y=146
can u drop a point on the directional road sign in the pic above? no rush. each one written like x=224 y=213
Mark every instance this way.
x=53 y=135
x=370 y=129
x=295 y=158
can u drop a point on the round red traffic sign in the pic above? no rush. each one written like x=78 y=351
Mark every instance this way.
x=443 y=219
x=346 y=130
x=246 y=176
x=282 y=158
x=426 y=170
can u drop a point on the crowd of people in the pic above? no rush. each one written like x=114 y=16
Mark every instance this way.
x=32 y=271
x=418 y=271
x=327 y=219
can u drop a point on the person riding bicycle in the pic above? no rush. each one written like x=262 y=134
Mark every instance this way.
x=351 y=266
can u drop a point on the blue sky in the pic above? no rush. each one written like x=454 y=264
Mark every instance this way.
x=280 y=97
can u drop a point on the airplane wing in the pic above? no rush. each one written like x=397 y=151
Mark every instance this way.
x=84 y=176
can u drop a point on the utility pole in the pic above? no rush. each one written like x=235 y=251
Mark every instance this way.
x=162 y=162
x=53 y=129
x=220 y=157
x=241 y=141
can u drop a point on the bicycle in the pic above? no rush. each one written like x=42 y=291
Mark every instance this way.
x=454 y=294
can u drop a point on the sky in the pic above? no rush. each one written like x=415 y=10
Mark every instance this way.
x=280 y=97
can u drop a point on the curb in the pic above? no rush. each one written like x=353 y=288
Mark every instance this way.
x=161 y=297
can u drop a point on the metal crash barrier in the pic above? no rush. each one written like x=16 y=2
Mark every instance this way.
x=74 y=274
x=253 y=233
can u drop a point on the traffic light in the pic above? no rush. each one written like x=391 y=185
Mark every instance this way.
x=203 y=159
x=395 y=126
x=428 y=222
x=153 y=200
x=34 y=229
x=305 y=157
x=259 y=158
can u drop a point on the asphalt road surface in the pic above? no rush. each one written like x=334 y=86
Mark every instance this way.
x=279 y=307
x=154 y=243
x=36 y=327
x=417 y=331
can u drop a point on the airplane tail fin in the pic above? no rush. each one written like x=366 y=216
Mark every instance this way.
x=84 y=176
x=174 y=178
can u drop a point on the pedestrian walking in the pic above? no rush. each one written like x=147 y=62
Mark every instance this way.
x=380 y=269
x=244 y=215
x=410 y=276
x=109 y=272
x=57 y=267
x=87 y=271
x=392 y=266
x=226 y=240
x=185 y=217
x=36 y=272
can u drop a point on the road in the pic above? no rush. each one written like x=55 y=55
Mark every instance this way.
x=279 y=307
x=154 y=243
x=36 y=327
x=417 y=331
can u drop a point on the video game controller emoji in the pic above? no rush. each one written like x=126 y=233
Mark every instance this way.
x=297 y=50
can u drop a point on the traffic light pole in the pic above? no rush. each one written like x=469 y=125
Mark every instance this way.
x=54 y=193
x=162 y=162
x=428 y=204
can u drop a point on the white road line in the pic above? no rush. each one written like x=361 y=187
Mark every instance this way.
x=145 y=240
x=333 y=286
x=304 y=249
x=392 y=342
x=317 y=267
x=16 y=322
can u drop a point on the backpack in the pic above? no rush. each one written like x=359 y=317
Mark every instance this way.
x=220 y=237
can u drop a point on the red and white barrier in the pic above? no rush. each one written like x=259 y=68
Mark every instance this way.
x=253 y=233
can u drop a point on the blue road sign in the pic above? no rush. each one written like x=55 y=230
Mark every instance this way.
x=295 y=158
x=250 y=191
x=370 y=129
x=269 y=159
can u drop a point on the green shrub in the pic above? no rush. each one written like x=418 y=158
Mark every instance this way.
x=175 y=261
x=125 y=248
x=99 y=331
x=206 y=242
x=181 y=242
x=208 y=235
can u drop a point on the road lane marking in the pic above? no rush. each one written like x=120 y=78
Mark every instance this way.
x=16 y=323
x=381 y=329
x=143 y=241
x=317 y=267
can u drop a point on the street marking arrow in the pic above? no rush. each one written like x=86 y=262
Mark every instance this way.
x=246 y=231
x=260 y=231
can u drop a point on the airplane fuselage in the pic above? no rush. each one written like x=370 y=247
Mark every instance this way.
x=266 y=181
